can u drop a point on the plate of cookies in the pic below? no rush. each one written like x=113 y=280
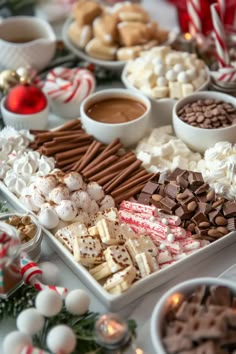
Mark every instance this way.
x=109 y=36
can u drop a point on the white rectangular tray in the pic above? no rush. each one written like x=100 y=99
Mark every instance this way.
x=141 y=287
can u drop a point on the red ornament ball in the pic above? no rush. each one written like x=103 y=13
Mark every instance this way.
x=26 y=99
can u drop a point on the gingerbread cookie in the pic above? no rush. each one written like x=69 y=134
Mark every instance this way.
x=80 y=36
x=105 y=28
x=85 y=11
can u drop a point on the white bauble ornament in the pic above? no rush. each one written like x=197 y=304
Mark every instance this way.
x=61 y=339
x=15 y=341
x=48 y=303
x=77 y=302
x=50 y=274
x=30 y=321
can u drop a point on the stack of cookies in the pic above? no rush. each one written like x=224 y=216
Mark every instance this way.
x=120 y=32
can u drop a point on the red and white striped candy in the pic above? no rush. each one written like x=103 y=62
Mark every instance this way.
x=194 y=12
x=30 y=273
x=219 y=34
x=225 y=75
x=28 y=349
x=69 y=85
x=138 y=208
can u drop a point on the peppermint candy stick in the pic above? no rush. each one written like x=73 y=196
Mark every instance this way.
x=139 y=208
x=30 y=272
x=194 y=12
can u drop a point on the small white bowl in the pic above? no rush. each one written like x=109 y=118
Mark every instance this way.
x=161 y=108
x=161 y=308
x=36 y=121
x=199 y=139
x=129 y=133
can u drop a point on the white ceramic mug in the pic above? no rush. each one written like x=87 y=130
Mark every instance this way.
x=26 y=41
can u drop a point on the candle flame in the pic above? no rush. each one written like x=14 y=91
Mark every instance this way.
x=176 y=299
x=188 y=36
x=139 y=351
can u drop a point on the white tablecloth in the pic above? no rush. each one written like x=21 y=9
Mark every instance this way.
x=141 y=311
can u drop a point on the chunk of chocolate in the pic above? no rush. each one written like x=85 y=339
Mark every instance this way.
x=205 y=208
x=202 y=189
x=168 y=204
x=177 y=172
x=183 y=212
x=202 y=198
x=150 y=187
x=203 y=233
x=229 y=209
x=144 y=198
x=199 y=217
x=195 y=179
x=171 y=190
x=213 y=215
x=182 y=181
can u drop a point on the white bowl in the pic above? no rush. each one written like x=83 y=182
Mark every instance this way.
x=161 y=108
x=37 y=52
x=115 y=65
x=161 y=308
x=129 y=133
x=200 y=139
x=37 y=121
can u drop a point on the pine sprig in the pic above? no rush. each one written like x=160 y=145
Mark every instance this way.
x=83 y=326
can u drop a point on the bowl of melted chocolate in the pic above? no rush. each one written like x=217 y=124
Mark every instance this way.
x=116 y=113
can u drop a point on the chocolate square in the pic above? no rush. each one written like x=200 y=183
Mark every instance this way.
x=201 y=232
x=202 y=189
x=202 y=198
x=178 y=171
x=213 y=214
x=229 y=209
x=168 y=204
x=195 y=179
x=144 y=198
x=205 y=208
x=182 y=181
x=199 y=217
x=150 y=187
x=183 y=212
x=171 y=190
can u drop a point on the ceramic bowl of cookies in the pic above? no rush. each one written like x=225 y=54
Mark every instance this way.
x=109 y=36
x=195 y=317
x=116 y=113
x=165 y=75
x=30 y=232
x=205 y=118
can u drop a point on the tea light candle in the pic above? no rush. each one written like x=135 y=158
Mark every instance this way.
x=111 y=331
x=175 y=301
x=187 y=42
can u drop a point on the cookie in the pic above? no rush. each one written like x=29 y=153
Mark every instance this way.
x=133 y=33
x=97 y=49
x=105 y=28
x=130 y=12
x=80 y=36
x=85 y=11
x=121 y=280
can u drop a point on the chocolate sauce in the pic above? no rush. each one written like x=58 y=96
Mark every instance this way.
x=116 y=110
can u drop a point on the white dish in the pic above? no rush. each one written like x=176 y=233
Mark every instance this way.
x=108 y=64
x=138 y=289
x=162 y=306
x=161 y=108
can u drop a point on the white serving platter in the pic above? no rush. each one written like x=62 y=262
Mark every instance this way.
x=141 y=287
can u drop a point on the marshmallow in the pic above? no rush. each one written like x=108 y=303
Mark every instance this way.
x=66 y=210
x=59 y=193
x=95 y=191
x=81 y=199
x=73 y=180
x=48 y=218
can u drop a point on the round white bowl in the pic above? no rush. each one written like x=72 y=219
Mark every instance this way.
x=161 y=108
x=161 y=308
x=36 y=53
x=199 y=139
x=115 y=65
x=129 y=133
x=36 y=121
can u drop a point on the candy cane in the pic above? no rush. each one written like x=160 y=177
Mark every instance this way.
x=30 y=272
x=227 y=75
x=219 y=34
x=222 y=7
x=194 y=12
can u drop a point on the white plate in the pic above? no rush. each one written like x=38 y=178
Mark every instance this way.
x=141 y=287
x=108 y=64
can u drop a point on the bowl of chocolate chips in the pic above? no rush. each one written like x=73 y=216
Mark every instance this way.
x=197 y=316
x=204 y=118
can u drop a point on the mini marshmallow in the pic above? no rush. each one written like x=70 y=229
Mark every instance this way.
x=178 y=68
x=162 y=81
x=183 y=77
x=171 y=75
x=170 y=238
x=159 y=69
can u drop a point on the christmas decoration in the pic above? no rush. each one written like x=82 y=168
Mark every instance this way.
x=77 y=302
x=8 y=79
x=48 y=303
x=50 y=273
x=26 y=99
x=43 y=342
